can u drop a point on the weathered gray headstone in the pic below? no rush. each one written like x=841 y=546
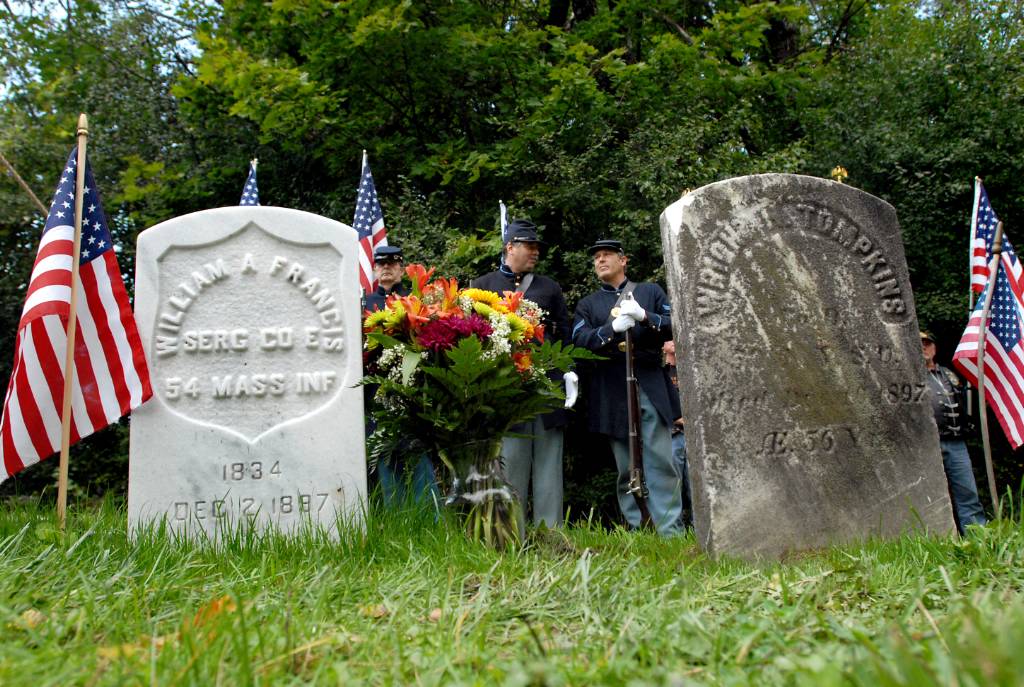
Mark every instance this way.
x=250 y=318
x=807 y=416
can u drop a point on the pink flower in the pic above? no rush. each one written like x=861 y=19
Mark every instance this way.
x=443 y=333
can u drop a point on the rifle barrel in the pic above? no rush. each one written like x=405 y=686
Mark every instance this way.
x=637 y=483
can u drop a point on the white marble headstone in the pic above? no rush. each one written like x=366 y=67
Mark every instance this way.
x=250 y=317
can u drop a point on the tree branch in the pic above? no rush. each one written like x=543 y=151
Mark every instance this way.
x=687 y=38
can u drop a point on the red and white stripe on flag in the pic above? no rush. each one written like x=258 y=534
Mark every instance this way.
x=1004 y=369
x=111 y=375
x=983 y=228
x=979 y=265
x=367 y=245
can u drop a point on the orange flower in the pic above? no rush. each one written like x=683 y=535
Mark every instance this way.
x=522 y=361
x=512 y=300
x=419 y=275
x=538 y=333
x=448 y=292
x=416 y=313
x=451 y=294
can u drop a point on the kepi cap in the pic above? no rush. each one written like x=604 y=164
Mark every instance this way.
x=387 y=254
x=926 y=335
x=522 y=231
x=606 y=244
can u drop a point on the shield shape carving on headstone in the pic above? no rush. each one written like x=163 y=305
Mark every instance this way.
x=249 y=338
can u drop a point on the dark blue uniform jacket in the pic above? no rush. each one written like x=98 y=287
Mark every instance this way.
x=375 y=301
x=546 y=293
x=606 y=379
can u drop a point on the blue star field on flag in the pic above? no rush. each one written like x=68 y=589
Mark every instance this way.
x=987 y=222
x=251 y=193
x=1004 y=317
x=95 y=233
x=368 y=210
x=368 y=222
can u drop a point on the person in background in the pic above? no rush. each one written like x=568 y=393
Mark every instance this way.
x=947 y=393
x=388 y=268
x=679 y=437
x=598 y=329
x=537 y=457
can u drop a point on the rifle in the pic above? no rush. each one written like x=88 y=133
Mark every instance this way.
x=637 y=483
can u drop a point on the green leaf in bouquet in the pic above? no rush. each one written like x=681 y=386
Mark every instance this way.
x=382 y=339
x=410 y=361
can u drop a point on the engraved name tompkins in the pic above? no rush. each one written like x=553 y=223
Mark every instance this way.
x=716 y=264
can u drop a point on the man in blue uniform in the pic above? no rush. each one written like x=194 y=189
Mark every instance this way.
x=647 y=313
x=388 y=268
x=538 y=455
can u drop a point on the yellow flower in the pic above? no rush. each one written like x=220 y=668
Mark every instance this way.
x=482 y=296
x=374 y=319
x=482 y=309
x=518 y=326
x=395 y=316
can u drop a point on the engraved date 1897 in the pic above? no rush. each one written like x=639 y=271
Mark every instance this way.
x=904 y=393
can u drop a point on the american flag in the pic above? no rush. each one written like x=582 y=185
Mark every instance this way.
x=250 y=194
x=369 y=223
x=111 y=376
x=983 y=230
x=1004 y=352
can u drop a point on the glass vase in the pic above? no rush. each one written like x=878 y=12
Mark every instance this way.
x=481 y=494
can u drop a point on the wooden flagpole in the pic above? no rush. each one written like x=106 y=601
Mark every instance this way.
x=993 y=273
x=25 y=187
x=970 y=267
x=69 y=353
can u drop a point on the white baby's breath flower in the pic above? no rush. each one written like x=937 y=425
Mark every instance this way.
x=500 y=336
x=390 y=403
x=390 y=357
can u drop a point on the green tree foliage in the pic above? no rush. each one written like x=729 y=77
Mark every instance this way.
x=588 y=118
x=927 y=101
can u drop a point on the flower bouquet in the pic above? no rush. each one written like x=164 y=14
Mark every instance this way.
x=456 y=369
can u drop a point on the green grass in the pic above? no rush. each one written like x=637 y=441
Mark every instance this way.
x=411 y=602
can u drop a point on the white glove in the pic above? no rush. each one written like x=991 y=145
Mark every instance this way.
x=622 y=323
x=628 y=306
x=572 y=388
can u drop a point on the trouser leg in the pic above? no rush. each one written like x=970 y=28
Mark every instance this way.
x=664 y=499
x=627 y=504
x=391 y=488
x=424 y=482
x=957 y=464
x=679 y=459
x=547 y=474
x=517 y=458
